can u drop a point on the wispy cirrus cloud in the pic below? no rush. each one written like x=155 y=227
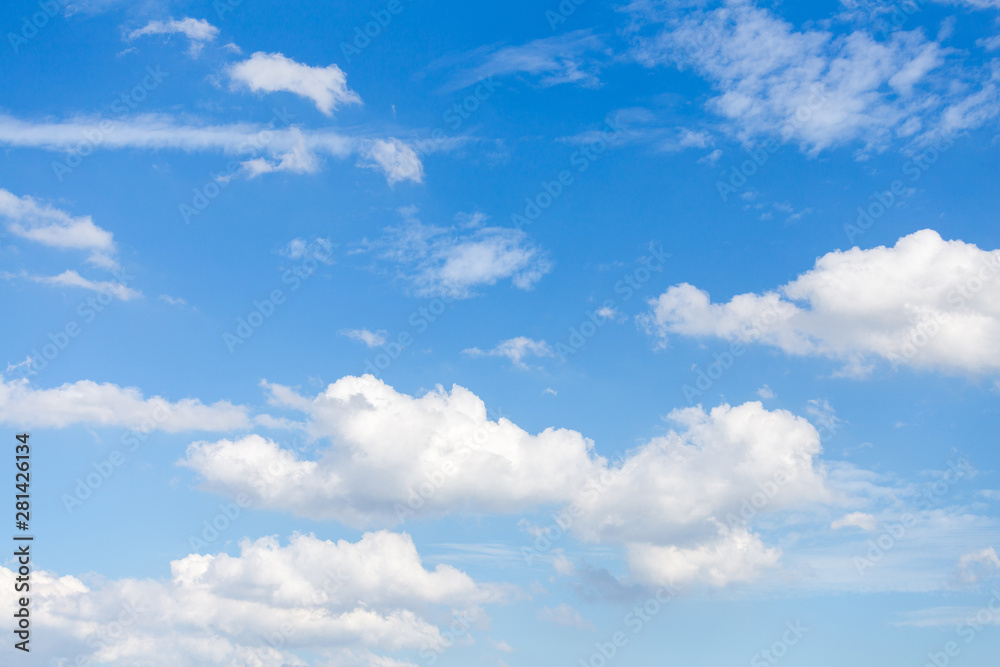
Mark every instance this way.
x=285 y=149
x=574 y=57
x=456 y=261
x=812 y=86
x=515 y=349
x=198 y=31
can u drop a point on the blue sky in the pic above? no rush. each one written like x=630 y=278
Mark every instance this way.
x=498 y=331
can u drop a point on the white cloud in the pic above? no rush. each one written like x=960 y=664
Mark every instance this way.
x=369 y=338
x=385 y=445
x=860 y=520
x=737 y=555
x=199 y=31
x=814 y=87
x=766 y=392
x=277 y=149
x=711 y=158
x=515 y=349
x=340 y=600
x=976 y=566
x=566 y=58
x=41 y=223
x=87 y=402
x=392 y=456
x=272 y=72
x=70 y=278
x=319 y=249
x=445 y=261
x=926 y=303
x=565 y=616
x=397 y=160
x=173 y=301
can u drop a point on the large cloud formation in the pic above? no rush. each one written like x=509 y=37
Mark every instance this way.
x=925 y=303
x=259 y=607
x=392 y=456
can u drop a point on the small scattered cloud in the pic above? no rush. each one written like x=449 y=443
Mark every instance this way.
x=320 y=249
x=711 y=158
x=273 y=72
x=515 y=349
x=369 y=338
x=765 y=392
x=397 y=160
x=29 y=219
x=865 y=522
x=173 y=301
x=574 y=57
x=198 y=31
x=977 y=566
x=70 y=278
x=455 y=261
x=565 y=616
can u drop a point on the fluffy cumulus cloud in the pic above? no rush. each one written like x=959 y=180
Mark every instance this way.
x=90 y=403
x=676 y=500
x=569 y=58
x=41 y=223
x=455 y=261
x=273 y=72
x=397 y=160
x=812 y=86
x=925 y=302
x=260 y=607
x=392 y=453
x=198 y=31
